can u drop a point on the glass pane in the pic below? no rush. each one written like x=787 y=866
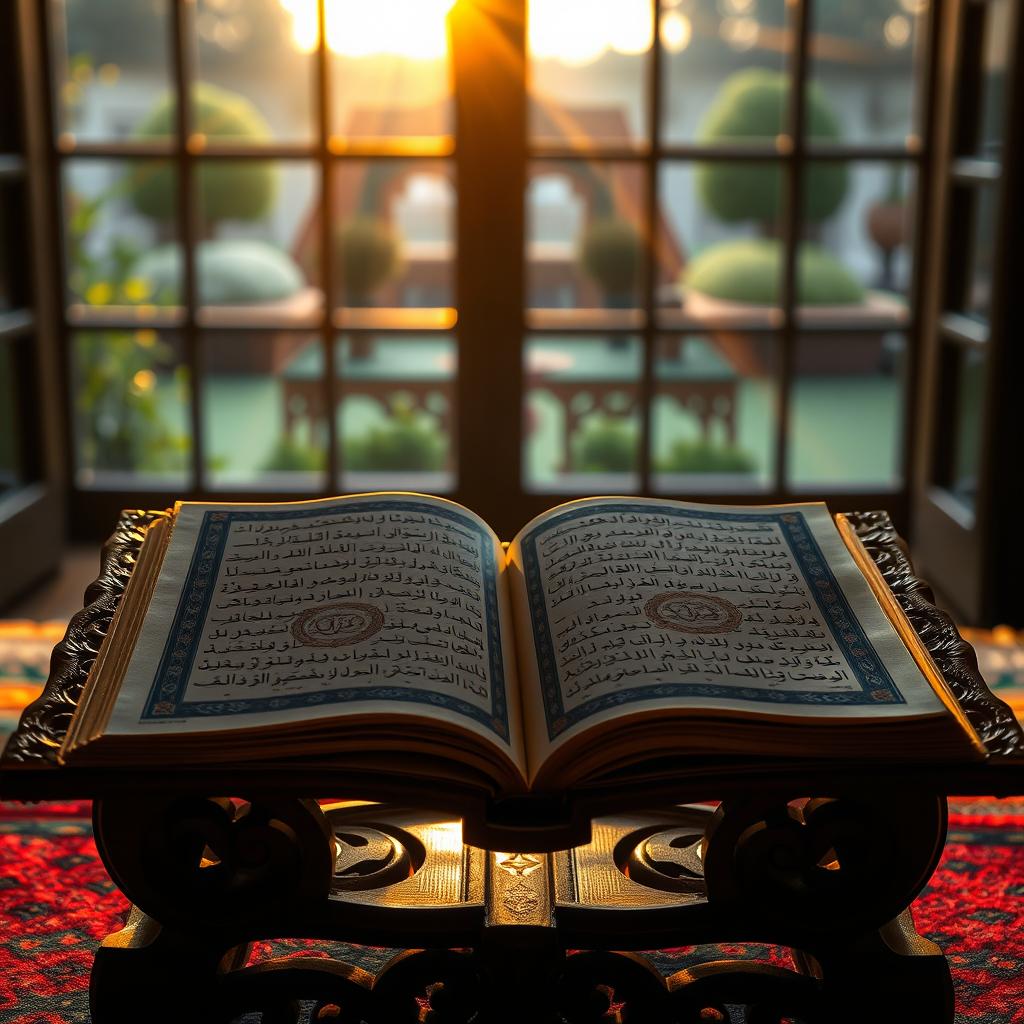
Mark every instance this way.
x=259 y=259
x=720 y=251
x=264 y=410
x=581 y=424
x=129 y=395
x=10 y=437
x=724 y=64
x=10 y=112
x=856 y=259
x=120 y=232
x=587 y=70
x=394 y=233
x=254 y=83
x=397 y=412
x=981 y=255
x=112 y=70
x=15 y=246
x=970 y=398
x=390 y=66
x=585 y=235
x=865 y=61
x=995 y=61
x=8 y=244
x=847 y=410
x=715 y=413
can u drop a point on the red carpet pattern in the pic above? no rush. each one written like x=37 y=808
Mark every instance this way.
x=56 y=904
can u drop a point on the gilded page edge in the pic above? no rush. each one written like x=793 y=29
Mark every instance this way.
x=101 y=687
x=905 y=630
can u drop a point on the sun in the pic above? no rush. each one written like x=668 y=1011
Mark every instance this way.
x=575 y=32
x=415 y=29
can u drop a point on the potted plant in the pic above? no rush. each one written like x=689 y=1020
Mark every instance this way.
x=887 y=224
x=611 y=253
x=718 y=462
x=290 y=455
x=402 y=443
x=368 y=255
x=606 y=444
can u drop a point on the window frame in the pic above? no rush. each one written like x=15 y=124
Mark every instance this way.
x=969 y=549
x=32 y=511
x=493 y=321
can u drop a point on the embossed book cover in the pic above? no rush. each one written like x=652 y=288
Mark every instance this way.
x=395 y=632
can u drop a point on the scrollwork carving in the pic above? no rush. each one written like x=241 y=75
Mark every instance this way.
x=216 y=862
x=670 y=860
x=601 y=986
x=767 y=993
x=440 y=986
x=45 y=721
x=993 y=720
x=823 y=866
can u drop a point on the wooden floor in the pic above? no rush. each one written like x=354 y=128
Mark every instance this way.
x=60 y=596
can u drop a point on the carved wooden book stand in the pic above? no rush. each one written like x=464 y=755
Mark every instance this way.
x=822 y=858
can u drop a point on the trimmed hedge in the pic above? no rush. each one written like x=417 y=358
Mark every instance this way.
x=750 y=270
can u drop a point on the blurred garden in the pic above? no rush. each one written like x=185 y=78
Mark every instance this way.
x=260 y=296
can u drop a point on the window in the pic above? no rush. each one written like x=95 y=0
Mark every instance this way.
x=507 y=252
x=30 y=500
x=720 y=245
x=258 y=245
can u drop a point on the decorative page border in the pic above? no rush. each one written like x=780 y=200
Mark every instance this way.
x=877 y=685
x=165 y=698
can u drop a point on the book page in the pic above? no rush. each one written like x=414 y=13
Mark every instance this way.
x=387 y=603
x=631 y=602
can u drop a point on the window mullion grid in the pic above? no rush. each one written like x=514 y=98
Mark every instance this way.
x=330 y=381
x=922 y=160
x=185 y=181
x=794 y=163
x=650 y=279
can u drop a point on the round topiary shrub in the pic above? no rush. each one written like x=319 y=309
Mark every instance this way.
x=611 y=252
x=703 y=456
x=750 y=270
x=228 y=190
x=752 y=105
x=369 y=254
x=606 y=445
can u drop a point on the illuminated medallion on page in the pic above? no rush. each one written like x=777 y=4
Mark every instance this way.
x=687 y=612
x=337 y=625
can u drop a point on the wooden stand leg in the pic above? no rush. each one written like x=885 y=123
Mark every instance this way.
x=820 y=877
x=160 y=975
x=893 y=975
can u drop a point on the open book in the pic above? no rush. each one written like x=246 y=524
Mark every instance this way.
x=395 y=633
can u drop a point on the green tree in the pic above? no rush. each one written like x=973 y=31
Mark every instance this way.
x=751 y=105
x=228 y=190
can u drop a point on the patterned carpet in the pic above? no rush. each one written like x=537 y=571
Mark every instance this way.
x=56 y=904
x=24 y=665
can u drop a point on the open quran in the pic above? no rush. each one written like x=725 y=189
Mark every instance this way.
x=394 y=633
